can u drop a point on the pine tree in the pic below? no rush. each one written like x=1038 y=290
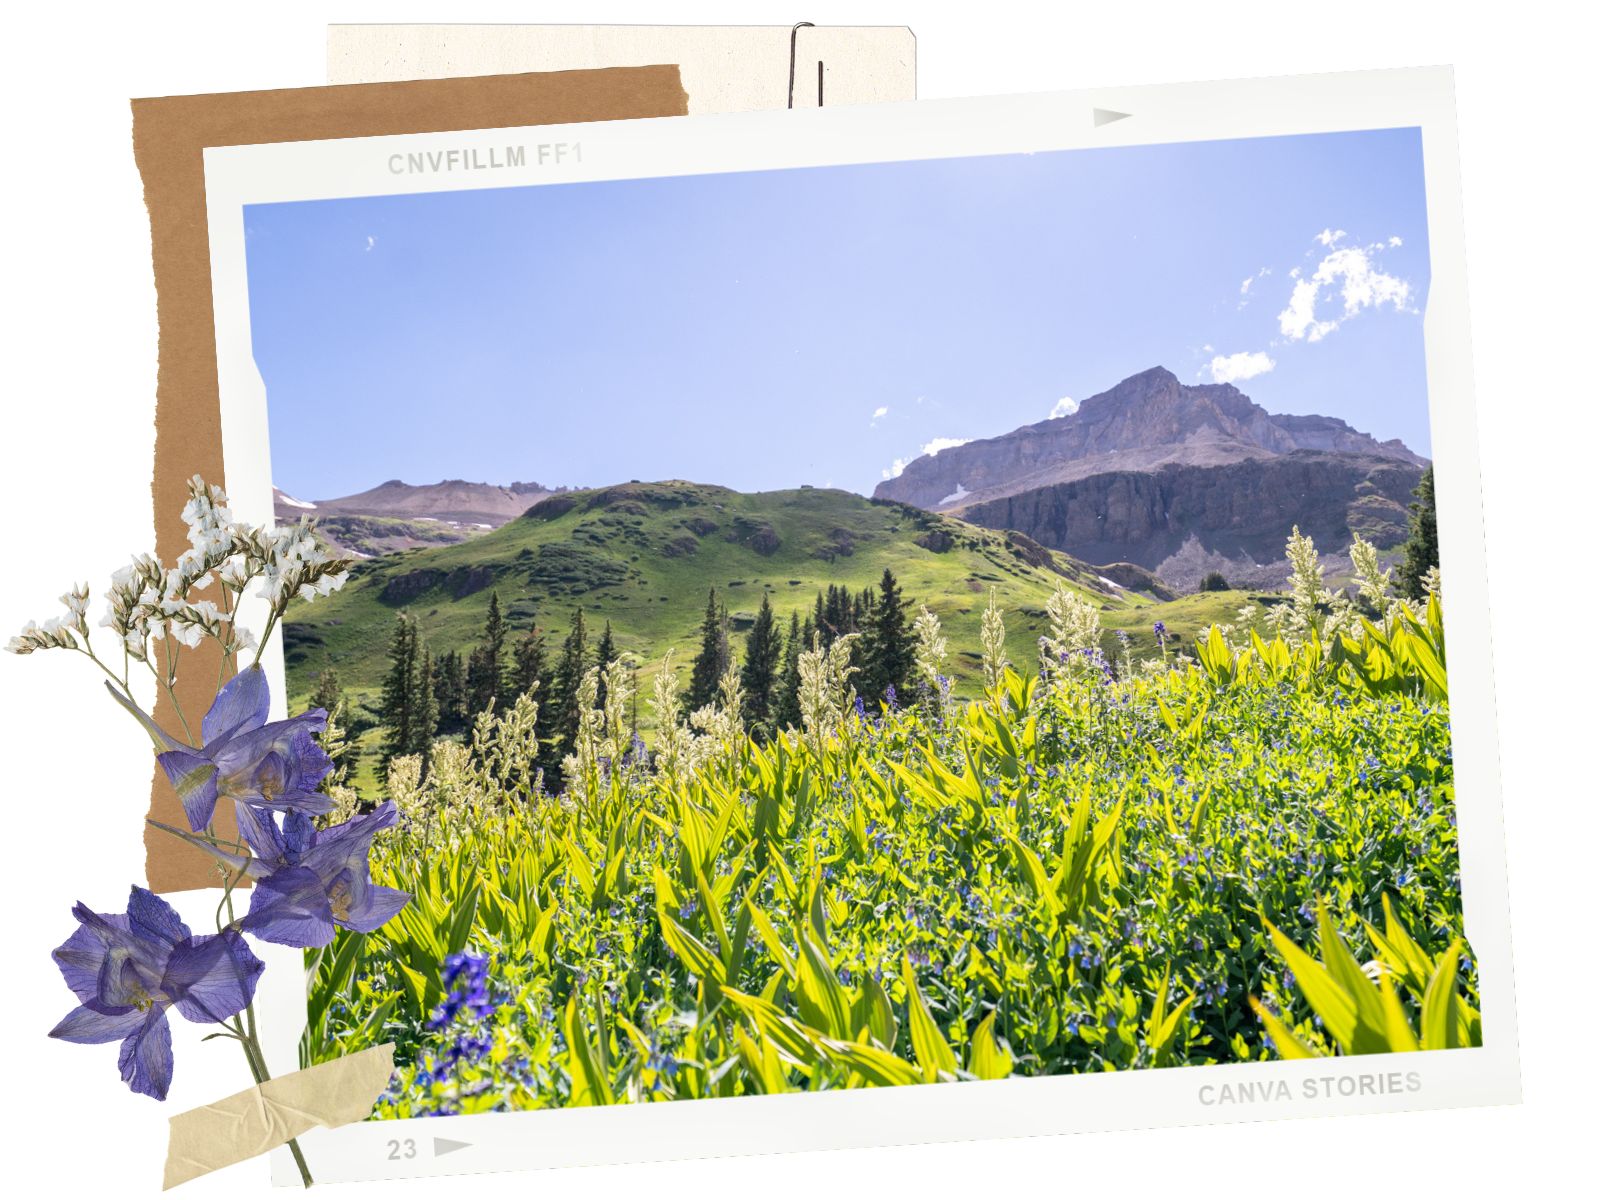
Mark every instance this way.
x=450 y=688
x=604 y=655
x=715 y=654
x=486 y=674
x=399 y=690
x=565 y=711
x=494 y=628
x=786 y=704
x=337 y=742
x=759 y=679
x=838 y=614
x=329 y=693
x=890 y=650
x=528 y=675
x=424 y=708
x=1422 y=549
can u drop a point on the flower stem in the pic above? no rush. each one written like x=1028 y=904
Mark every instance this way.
x=258 y=1068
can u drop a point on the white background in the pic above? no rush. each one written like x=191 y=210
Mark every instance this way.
x=78 y=342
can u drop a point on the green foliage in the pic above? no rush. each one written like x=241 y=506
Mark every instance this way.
x=1087 y=875
x=409 y=709
x=643 y=557
x=1215 y=581
x=711 y=664
x=1404 y=999
x=1421 y=552
x=759 y=677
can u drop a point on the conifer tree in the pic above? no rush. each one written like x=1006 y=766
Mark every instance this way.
x=786 y=703
x=605 y=653
x=450 y=689
x=399 y=694
x=338 y=742
x=565 y=709
x=329 y=693
x=759 y=679
x=528 y=675
x=424 y=708
x=1422 y=549
x=890 y=649
x=819 y=623
x=715 y=654
x=486 y=673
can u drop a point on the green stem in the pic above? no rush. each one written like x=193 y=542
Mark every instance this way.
x=258 y=1068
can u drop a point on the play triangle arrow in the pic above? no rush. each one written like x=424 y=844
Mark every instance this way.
x=1104 y=116
x=443 y=1146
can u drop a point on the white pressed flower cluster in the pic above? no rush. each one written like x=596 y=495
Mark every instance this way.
x=148 y=601
x=993 y=636
x=59 y=632
x=291 y=562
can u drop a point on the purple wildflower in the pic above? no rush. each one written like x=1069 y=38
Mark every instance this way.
x=245 y=759
x=319 y=878
x=466 y=982
x=128 y=969
x=309 y=880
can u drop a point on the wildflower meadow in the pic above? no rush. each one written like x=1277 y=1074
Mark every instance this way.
x=1241 y=852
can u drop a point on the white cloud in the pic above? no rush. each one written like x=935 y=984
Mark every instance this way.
x=880 y=412
x=1244 y=288
x=1065 y=407
x=929 y=450
x=1247 y=364
x=1329 y=236
x=371 y=242
x=932 y=448
x=1360 y=284
x=1395 y=241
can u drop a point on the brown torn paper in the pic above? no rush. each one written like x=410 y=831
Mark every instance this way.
x=169 y=137
x=266 y=1116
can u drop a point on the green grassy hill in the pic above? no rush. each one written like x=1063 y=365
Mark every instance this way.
x=643 y=555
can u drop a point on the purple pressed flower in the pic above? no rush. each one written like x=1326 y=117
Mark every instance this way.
x=309 y=880
x=245 y=759
x=128 y=968
x=316 y=879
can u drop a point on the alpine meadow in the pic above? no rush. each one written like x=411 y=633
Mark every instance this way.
x=888 y=717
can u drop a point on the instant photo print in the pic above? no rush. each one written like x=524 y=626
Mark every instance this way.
x=907 y=623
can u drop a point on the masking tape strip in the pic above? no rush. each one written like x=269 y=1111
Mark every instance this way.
x=264 y=1117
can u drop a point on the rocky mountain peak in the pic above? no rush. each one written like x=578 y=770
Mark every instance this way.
x=1145 y=422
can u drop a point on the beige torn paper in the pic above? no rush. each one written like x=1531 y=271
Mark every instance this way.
x=265 y=1117
x=725 y=68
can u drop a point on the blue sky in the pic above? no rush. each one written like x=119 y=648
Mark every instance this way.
x=775 y=328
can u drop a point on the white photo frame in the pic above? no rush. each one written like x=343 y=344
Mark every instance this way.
x=247 y=175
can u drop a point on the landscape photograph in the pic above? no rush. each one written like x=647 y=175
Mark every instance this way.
x=875 y=625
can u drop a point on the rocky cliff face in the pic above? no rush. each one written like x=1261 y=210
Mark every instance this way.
x=1240 y=510
x=1145 y=423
